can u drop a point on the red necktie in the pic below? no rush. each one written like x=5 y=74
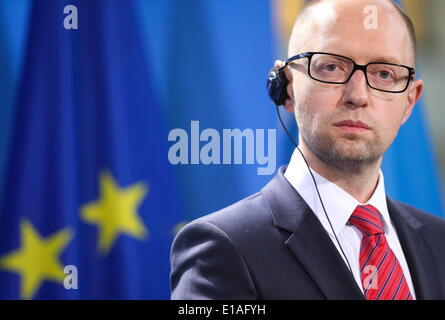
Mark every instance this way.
x=380 y=271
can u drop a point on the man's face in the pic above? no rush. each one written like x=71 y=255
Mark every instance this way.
x=323 y=110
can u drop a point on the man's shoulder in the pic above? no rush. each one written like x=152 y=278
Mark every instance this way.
x=252 y=214
x=202 y=249
x=242 y=217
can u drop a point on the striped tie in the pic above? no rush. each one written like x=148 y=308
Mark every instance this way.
x=380 y=271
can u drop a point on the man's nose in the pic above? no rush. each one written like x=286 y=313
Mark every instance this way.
x=356 y=91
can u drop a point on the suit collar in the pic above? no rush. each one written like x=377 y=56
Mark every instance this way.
x=308 y=240
x=420 y=259
x=301 y=180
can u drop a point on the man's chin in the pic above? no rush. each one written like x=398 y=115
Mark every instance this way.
x=342 y=152
x=351 y=152
x=356 y=153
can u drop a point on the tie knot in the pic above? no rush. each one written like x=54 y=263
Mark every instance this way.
x=367 y=220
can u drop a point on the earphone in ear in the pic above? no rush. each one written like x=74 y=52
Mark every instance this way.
x=276 y=85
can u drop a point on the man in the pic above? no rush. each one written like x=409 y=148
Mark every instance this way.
x=351 y=88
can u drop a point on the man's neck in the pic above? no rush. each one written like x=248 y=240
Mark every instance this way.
x=359 y=184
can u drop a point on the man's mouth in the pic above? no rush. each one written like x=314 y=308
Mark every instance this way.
x=351 y=126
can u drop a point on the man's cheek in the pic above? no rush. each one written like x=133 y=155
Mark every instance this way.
x=326 y=98
x=386 y=131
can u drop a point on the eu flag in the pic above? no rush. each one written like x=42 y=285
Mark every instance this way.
x=90 y=204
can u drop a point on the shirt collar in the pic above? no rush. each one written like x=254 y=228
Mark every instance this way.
x=338 y=203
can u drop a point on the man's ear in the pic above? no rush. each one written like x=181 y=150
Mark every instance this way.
x=414 y=94
x=289 y=103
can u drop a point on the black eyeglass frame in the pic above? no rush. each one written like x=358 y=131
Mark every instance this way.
x=309 y=55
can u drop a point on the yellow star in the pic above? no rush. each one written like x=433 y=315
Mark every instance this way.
x=115 y=212
x=37 y=259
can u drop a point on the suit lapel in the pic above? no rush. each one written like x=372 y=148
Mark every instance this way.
x=423 y=270
x=311 y=245
x=309 y=242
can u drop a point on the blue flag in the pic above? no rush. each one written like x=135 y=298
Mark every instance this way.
x=90 y=205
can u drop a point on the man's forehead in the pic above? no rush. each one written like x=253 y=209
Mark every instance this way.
x=360 y=52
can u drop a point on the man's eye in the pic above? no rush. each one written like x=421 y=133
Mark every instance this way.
x=331 y=67
x=385 y=75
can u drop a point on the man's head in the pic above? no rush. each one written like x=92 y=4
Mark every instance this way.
x=299 y=32
x=338 y=27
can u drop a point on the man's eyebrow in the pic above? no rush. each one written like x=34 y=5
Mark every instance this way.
x=386 y=60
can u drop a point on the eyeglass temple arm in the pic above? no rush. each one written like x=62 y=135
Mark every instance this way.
x=298 y=56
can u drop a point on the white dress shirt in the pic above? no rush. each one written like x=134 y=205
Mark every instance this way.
x=339 y=206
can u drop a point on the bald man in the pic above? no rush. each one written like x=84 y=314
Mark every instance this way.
x=351 y=87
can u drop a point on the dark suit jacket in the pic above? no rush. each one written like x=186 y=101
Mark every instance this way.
x=272 y=246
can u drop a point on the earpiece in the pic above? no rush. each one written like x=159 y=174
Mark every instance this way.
x=276 y=85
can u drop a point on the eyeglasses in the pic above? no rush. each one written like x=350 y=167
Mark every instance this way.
x=336 y=69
